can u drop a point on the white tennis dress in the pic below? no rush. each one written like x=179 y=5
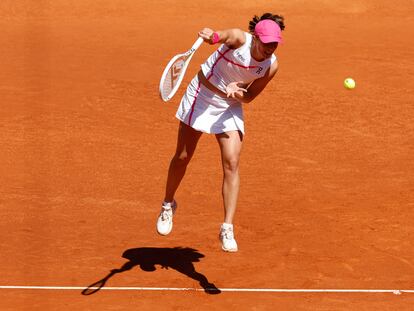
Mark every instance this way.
x=208 y=112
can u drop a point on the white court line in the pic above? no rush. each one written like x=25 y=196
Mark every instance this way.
x=263 y=290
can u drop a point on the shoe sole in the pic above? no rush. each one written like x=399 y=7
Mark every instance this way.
x=166 y=233
x=230 y=250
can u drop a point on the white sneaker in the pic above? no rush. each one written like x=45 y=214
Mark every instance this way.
x=228 y=243
x=165 y=219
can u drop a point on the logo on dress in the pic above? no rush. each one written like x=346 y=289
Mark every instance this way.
x=239 y=56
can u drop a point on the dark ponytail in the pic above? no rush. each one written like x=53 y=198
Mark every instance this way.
x=280 y=20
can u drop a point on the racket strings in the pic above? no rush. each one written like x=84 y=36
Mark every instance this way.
x=172 y=76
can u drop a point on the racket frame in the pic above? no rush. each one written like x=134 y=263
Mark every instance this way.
x=187 y=55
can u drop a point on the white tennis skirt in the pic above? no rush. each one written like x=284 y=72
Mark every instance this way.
x=208 y=112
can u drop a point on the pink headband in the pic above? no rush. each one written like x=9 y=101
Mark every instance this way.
x=268 y=31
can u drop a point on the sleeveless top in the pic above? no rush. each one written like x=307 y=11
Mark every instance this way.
x=227 y=65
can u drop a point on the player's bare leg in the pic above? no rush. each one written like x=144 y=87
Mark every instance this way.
x=186 y=144
x=230 y=146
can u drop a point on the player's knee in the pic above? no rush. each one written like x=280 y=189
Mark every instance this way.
x=231 y=165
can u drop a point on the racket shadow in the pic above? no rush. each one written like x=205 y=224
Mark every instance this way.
x=180 y=259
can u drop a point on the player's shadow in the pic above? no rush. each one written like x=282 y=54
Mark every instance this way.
x=177 y=258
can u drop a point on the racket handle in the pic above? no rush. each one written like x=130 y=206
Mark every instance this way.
x=197 y=44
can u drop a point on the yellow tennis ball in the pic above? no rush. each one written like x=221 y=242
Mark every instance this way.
x=349 y=83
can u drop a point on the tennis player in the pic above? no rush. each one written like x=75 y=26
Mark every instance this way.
x=234 y=74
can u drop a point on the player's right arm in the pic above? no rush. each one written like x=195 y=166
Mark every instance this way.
x=233 y=38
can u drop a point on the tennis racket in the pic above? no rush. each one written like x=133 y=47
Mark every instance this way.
x=174 y=72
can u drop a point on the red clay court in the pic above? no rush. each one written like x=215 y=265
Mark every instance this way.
x=327 y=174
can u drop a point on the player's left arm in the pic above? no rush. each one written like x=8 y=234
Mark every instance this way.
x=257 y=86
x=233 y=38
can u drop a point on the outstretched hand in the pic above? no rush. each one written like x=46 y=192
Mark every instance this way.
x=233 y=89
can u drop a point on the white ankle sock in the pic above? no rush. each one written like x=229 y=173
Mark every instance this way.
x=227 y=226
x=167 y=204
